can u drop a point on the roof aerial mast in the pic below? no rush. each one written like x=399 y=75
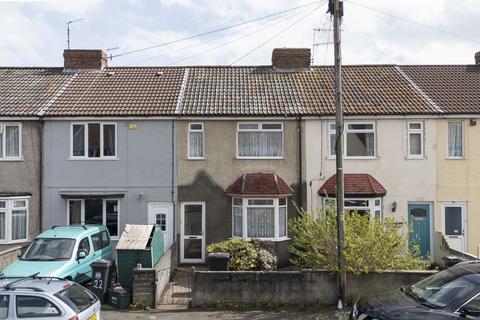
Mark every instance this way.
x=68 y=30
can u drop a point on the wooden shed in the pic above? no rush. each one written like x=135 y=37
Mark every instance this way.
x=138 y=244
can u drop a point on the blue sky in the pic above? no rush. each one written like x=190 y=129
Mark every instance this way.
x=33 y=33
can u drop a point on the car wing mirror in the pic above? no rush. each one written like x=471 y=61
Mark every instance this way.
x=472 y=311
x=82 y=255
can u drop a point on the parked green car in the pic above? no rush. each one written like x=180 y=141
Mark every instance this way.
x=64 y=252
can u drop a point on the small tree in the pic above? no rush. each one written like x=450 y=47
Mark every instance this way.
x=370 y=245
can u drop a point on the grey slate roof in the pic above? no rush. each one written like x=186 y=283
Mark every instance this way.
x=25 y=91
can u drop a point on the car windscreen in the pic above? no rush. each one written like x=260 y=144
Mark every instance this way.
x=48 y=249
x=77 y=297
x=444 y=288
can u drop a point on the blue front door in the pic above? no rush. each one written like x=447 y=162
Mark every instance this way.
x=419 y=219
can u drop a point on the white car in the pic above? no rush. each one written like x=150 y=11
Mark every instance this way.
x=47 y=298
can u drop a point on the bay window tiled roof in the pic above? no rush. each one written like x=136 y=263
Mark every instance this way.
x=259 y=184
x=355 y=184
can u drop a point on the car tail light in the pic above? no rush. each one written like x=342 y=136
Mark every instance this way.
x=73 y=318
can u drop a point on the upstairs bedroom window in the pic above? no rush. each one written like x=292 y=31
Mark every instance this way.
x=94 y=140
x=415 y=140
x=195 y=141
x=455 y=140
x=259 y=140
x=10 y=141
x=358 y=140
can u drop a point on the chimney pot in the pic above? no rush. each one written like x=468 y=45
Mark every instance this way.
x=477 y=58
x=291 y=59
x=84 y=60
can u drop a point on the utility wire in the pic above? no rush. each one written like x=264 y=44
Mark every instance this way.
x=279 y=19
x=233 y=40
x=412 y=21
x=213 y=31
x=330 y=25
x=276 y=35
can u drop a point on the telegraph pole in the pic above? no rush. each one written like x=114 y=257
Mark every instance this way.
x=335 y=7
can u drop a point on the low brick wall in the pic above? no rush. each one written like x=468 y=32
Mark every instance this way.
x=290 y=287
x=9 y=255
x=144 y=286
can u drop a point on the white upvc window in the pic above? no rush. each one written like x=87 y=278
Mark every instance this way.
x=415 y=139
x=371 y=207
x=10 y=141
x=195 y=141
x=455 y=140
x=260 y=140
x=95 y=211
x=359 y=140
x=259 y=218
x=93 y=140
x=13 y=219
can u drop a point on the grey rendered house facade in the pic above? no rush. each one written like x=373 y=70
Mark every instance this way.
x=108 y=156
x=23 y=92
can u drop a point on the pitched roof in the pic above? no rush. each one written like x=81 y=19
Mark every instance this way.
x=454 y=88
x=259 y=184
x=376 y=89
x=138 y=91
x=25 y=91
x=356 y=185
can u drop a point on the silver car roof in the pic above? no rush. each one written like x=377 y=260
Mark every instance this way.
x=49 y=285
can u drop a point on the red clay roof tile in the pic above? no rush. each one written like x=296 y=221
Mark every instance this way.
x=356 y=185
x=259 y=184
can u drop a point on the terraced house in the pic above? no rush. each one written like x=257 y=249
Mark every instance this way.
x=211 y=153
x=23 y=93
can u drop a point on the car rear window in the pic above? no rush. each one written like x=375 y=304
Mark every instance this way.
x=77 y=297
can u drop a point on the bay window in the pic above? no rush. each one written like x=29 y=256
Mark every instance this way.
x=13 y=220
x=455 y=139
x=195 y=141
x=259 y=140
x=10 y=141
x=358 y=140
x=95 y=211
x=93 y=140
x=259 y=218
x=371 y=207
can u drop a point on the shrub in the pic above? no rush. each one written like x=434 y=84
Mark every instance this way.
x=370 y=245
x=243 y=255
x=266 y=261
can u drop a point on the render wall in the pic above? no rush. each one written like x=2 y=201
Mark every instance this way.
x=206 y=180
x=406 y=180
x=143 y=166
x=459 y=179
x=24 y=176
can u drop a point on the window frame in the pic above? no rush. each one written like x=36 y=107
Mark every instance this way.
x=4 y=144
x=8 y=218
x=104 y=213
x=372 y=207
x=276 y=218
x=420 y=131
x=203 y=140
x=260 y=129
x=463 y=140
x=86 y=142
x=344 y=137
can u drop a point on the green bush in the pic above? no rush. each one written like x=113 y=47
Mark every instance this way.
x=243 y=256
x=370 y=245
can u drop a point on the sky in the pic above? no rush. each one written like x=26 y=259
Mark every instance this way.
x=33 y=33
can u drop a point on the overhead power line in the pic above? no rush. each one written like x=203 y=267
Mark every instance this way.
x=277 y=34
x=412 y=21
x=213 y=31
x=257 y=28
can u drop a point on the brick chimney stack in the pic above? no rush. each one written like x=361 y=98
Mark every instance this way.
x=84 y=60
x=477 y=58
x=291 y=59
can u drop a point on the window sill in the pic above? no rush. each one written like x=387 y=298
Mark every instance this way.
x=259 y=158
x=13 y=241
x=93 y=159
x=195 y=159
x=416 y=158
x=265 y=239
x=456 y=158
x=353 y=158
x=12 y=159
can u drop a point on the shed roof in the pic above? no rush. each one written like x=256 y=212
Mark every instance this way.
x=135 y=237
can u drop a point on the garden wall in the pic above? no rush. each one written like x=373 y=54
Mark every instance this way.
x=258 y=288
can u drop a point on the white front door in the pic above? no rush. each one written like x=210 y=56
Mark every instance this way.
x=161 y=214
x=192 y=242
x=454 y=217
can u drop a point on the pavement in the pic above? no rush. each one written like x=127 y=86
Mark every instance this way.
x=329 y=314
